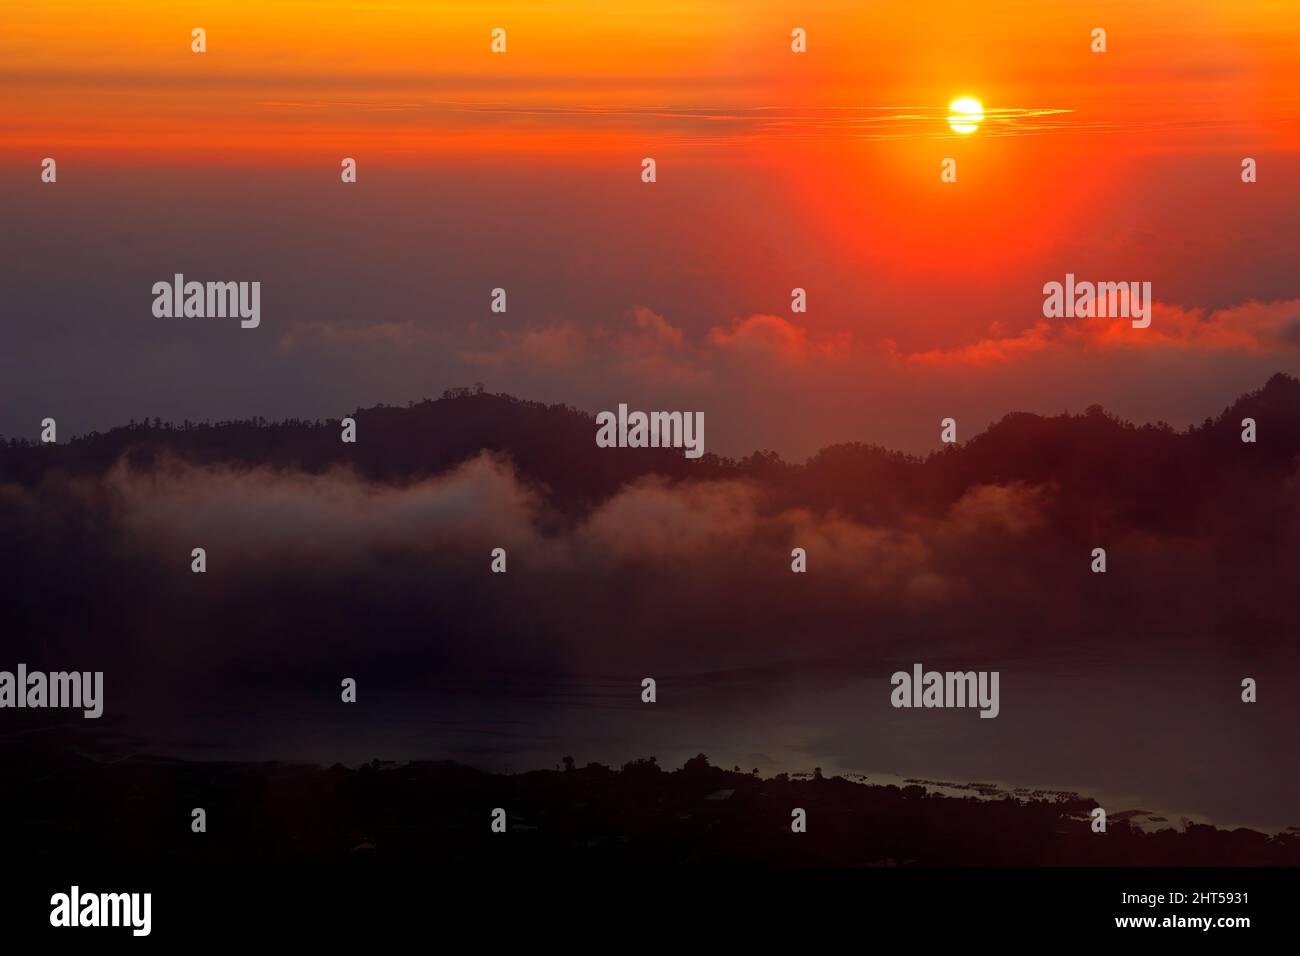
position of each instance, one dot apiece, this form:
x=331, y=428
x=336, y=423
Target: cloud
x=879, y=559
x=646, y=346
x=1015, y=508
x=655, y=519
x=554, y=346
x=254, y=517
x=650, y=332
x=262, y=515
x=761, y=335
x=290, y=527
x=1250, y=327
x=642, y=344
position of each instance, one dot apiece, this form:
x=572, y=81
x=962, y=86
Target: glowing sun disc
x=965, y=115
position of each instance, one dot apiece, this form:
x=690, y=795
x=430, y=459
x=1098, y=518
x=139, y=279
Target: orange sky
x=405, y=82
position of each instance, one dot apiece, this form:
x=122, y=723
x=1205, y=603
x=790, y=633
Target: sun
x=965, y=115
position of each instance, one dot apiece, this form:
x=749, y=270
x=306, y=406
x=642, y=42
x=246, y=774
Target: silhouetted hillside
x=1112, y=470
x=552, y=445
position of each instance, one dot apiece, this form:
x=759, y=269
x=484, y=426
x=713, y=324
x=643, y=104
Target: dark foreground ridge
x=70, y=808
